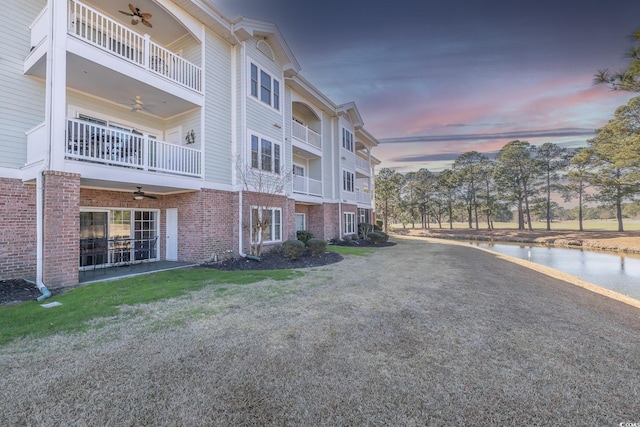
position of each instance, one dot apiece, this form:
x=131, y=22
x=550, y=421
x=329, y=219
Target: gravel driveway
x=421, y=333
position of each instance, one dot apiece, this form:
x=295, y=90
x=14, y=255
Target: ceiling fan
x=139, y=105
x=135, y=14
x=139, y=195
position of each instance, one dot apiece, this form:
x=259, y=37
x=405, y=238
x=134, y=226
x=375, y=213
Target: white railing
x=304, y=185
x=363, y=164
x=103, y=32
x=363, y=197
x=102, y=144
x=174, y=67
x=304, y=134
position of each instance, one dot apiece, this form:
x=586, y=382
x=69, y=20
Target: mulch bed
x=17, y=290
x=275, y=261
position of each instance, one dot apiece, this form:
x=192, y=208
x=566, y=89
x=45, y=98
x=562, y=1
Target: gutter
x=39, y=233
x=240, y=252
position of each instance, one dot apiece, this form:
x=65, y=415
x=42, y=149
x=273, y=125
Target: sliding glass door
x=118, y=237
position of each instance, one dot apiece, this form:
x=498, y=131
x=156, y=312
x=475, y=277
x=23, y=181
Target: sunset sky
x=434, y=79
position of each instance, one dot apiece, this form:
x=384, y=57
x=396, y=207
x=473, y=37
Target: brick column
x=61, y=228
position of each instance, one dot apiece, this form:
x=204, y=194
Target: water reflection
x=616, y=271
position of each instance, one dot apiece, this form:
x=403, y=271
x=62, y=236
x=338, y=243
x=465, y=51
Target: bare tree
x=266, y=190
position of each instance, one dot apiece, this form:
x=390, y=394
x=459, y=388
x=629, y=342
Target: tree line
x=522, y=177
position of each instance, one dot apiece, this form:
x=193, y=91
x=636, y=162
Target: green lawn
x=349, y=250
x=100, y=300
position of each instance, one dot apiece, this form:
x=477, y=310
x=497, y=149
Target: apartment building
x=146, y=131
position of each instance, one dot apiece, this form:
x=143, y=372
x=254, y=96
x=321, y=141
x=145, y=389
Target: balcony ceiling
x=166, y=29
x=88, y=77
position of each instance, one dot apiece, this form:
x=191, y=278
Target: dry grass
x=416, y=334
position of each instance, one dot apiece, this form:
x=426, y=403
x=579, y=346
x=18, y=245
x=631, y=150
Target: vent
x=264, y=47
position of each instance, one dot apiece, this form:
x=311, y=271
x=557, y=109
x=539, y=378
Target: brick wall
x=207, y=219
x=207, y=224
x=61, y=227
x=331, y=218
x=17, y=229
x=315, y=219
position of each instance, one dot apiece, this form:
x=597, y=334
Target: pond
x=619, y=272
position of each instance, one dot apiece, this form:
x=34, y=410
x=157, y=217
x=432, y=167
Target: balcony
x=308, y=186
x=304, y=134
x=363, y=197
x=89, y=142
x=108, y=35
x=363, y=165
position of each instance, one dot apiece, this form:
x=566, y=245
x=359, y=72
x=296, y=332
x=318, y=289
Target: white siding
x=22, y=100
x=188, y=48
x=218, y=161
x=261, y=117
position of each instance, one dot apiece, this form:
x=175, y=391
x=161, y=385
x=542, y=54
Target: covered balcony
x=100, y=144
x=115, y=57
x=307, y=176
x=306, y=130
x=94, y=144
x=362, y=166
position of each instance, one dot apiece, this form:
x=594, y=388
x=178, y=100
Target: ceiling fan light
x=138, y=197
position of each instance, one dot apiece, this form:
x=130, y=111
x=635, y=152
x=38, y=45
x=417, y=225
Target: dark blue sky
x=435, y=79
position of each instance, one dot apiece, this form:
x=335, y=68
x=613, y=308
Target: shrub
x=364, y=229
x=293, y=249
x=376, y=237
x=316, y=247
x=304, y=236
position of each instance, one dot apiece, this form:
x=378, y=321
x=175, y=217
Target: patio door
x=172, y=234
x=93, y=238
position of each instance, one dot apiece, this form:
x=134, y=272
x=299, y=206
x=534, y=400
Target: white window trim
x=345, y=230
x=260, y=210
x=304, y=221
x=257, y=97
x=273, y=142
x=353, y=181
x=352, y=140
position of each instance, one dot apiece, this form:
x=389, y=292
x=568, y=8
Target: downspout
x=39, y=231
x=240, y=243
x=236, y=152
x=47, y=157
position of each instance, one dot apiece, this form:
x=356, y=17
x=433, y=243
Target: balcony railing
x=304, y=185
x=362, y=197
x=306, y=135
x=101, y=144
x=103, y=32
x=363, y=165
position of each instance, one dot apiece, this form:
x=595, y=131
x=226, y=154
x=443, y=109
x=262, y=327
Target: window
x=301, y=222
x=347, y=181
x=266, y=224
x=347, y=140
x=265, y=87
x=363, y=215
x=265, y=155
x=298, y=170
x=349, y=223
x=118, y=236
